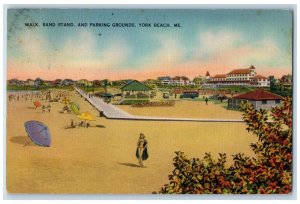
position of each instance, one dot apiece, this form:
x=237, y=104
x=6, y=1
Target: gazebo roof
x=135, y=86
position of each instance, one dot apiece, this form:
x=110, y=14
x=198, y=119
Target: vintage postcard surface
x=149, y=101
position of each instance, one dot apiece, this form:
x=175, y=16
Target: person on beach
x=81, y=124
x=72, y=123
x=141, y=151
x=206, y=99
x=43, y=109
x=49, y=108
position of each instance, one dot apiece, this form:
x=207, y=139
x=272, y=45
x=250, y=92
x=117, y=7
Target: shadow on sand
x=92, y=126
x=22, y=140
x=130, y=165
x=29, y=107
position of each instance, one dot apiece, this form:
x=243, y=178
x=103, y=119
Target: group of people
x=23, y=96
x=48, y=107
x=81, y=124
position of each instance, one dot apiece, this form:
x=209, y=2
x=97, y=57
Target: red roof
x=240, y=71
x=207, y=74
x=220, y=76
x=259, y=77
x=258, y=94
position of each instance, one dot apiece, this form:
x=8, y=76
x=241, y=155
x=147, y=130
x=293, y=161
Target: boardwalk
x=112, y=112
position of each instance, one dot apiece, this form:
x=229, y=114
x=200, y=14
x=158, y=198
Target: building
x=180, y=81
x=207, y=76
x=38, y=82
x=286, y=81
x=176, y=81
x=29, y=82
x=165, y=80
x=238, y=77
x=259, y=81
x=57, y=82
x=83, y=83
x=259, y=98
x=67, y=82
x=13, y=82
x=136, y=89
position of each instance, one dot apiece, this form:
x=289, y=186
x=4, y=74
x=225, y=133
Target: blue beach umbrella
x=38, y=133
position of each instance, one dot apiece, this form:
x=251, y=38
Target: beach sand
x=102, y=159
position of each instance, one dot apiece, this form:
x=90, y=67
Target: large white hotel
x=238, y=77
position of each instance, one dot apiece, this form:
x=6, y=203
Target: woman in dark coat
x=141, y=150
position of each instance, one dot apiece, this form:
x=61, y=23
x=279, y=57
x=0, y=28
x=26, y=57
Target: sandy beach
x=102, y=159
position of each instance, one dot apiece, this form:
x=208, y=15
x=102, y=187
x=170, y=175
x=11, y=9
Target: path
x=112, y=112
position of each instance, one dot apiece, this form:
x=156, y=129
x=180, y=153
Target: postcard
x=149, y=101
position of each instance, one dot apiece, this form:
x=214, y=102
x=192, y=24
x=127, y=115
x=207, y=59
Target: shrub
x=269, y=172
x=130, y=102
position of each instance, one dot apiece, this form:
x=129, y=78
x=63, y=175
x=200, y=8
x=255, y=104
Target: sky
x=213, y=40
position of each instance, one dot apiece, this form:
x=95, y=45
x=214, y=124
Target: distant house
x=57, y=82
x=165, y=80
x=29, y=82
x=67, y=82
x=286, y=81
x=96, y=82
x=13, y=82
x=38, y=82
x=175, y=81
x=260, y=81
x=136, y=88
x=180, y=81
x=259, y=98
x=82, y=82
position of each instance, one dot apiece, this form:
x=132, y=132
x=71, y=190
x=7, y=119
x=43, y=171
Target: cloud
x=115, y=53
x=228, y=49
x=32, y=49
x=214, y=43
x=165, y=56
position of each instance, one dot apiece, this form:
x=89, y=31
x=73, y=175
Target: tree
x=269, y=172
x=105, y=83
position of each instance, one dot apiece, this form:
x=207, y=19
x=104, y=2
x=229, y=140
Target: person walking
x=206, y=100
x=49, y=108
x=72, y=123
x=43, y=109
x=141, y=150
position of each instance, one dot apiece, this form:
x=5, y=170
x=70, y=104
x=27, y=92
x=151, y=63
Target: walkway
x=112, y=112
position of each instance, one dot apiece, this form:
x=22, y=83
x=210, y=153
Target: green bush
x=130, y=102
x=269, y=172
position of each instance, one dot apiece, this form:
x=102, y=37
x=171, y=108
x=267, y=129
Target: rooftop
x=220, y=76
x=258, y=94
x=135, y=86
x=240, y=71
x=259, y=77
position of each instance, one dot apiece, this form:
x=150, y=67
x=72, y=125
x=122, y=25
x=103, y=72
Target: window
x=264, y=102
x=277, y=101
